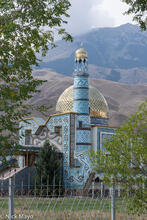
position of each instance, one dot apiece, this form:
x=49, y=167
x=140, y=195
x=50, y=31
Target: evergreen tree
x=49, y=168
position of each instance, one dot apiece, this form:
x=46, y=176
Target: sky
x=88, y=14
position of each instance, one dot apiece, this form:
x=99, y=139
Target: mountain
x=118, y=54
x=117, y=66
x=122, y=99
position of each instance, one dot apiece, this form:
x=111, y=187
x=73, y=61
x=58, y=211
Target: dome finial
x=81, y=61
x=81, y=54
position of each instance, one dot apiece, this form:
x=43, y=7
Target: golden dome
x=98, y=104
x=81, y=54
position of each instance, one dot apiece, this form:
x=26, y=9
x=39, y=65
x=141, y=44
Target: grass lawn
x=64, y=208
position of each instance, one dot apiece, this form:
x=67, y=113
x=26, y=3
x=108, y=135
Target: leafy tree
x=27, y=27
x=123, y=159
x=139, y=9
x=49, y=167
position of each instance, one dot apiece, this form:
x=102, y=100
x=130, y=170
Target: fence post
x=54, y=184
x=102, y=189
x=11, y=198
x=93, y=189
x=35, y=188
x=41, y=182
x=113, y=202
x=119, y=190
x=47, y=184
x=2, y=187
x=22, y=186
x=59, y=187
x=29, y=175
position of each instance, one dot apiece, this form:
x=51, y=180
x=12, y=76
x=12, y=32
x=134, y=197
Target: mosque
x=79, y=124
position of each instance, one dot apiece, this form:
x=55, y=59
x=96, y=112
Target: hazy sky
x=87, y=14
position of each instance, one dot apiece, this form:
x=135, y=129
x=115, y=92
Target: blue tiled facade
x=79, y=132
x=98, y=121
x=73, y=177
x=102, y=133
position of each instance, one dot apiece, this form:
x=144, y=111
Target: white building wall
x=94, y=138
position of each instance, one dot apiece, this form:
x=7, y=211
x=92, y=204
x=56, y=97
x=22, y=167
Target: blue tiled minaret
x=81, y=101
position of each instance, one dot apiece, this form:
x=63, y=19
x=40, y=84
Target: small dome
x=98, y=104
x=81, y=54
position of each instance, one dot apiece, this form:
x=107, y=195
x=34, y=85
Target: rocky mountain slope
x=118, y=54
x=122, y=99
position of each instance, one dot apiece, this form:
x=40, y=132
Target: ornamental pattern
x=81, y=67
x=29, y=125
x=81, y=106
x=102, y=133
x=80, y=82
x=85, y=121
x=84, y=171
x=102, y=121
x=65, y=101
x=83, y=148
x=64, y=122
x=83, y=158
x=83, y=136
x=98, y=104
x=73, y=177
x=81, y=93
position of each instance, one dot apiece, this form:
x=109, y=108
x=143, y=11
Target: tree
x=27, y=27
x=123, y=159
x=139, y=9
x=49, y=167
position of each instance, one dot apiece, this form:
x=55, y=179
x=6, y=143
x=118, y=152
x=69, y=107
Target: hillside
x=118, y=54
x=122, y=99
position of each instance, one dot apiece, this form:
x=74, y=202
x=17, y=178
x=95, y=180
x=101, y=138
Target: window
x=80, y=124
x=58, y=130
x=97, y=180
x=28, y=137
x=103, y=137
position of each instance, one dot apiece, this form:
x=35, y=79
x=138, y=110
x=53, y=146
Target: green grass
x=65, y=208
x=60, y=204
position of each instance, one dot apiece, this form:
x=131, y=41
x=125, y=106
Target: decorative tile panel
x=100, y=131
x=83, y=148
x=83, y=136
x=85, y=121
x=81, y=106
x=30, y=124
x=74, y=178
x=97, y=121
x=80, y=81
x=64, y=121
x=72, y=139
x=81, y=93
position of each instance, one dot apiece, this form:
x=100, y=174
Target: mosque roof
x=98, y=104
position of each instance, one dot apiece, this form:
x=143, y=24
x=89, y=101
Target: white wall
x=94, y=138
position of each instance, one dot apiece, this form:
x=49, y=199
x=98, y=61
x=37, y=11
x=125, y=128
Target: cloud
x=85, y=14
x=116, y=9
x=79, y=16
x=100, y=17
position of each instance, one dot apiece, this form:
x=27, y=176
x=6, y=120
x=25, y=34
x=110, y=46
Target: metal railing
x=52, y=202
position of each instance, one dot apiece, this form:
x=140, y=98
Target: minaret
x=81, y=101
